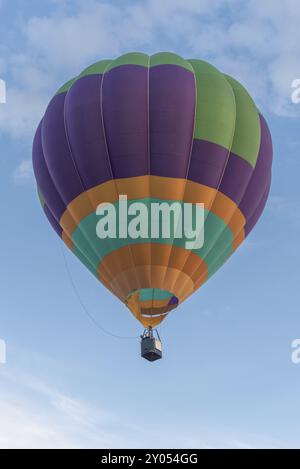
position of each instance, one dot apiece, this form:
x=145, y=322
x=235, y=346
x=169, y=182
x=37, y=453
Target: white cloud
x=23, y=172
x=22, y=111
x=36, y=415
x=256, y=42
x=2, y=91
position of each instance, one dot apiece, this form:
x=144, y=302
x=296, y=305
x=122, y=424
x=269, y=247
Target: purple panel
x=261, y=174
x=84, y=125
x=259, y=209
x=173, y=301
x=236, y=178
x=125, y=112
x=207, y=163
x=172, y=99
x=57, y=153
x=43, y=178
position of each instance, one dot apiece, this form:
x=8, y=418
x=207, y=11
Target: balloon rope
x=84, y=308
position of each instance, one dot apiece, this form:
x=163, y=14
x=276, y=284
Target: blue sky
x=226, y=379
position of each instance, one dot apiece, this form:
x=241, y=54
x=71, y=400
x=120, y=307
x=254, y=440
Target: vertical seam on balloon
x=221, y=177
x=58, y=193
x=106, y=147
x=107, y=155
x=237, y=207
x=266, y=190
x=111, y=169
x=91, y=245
x=187, y=171
x=66, y=234
x=77, y=171
x=252, y=174
x=149, y=164
x=221, y=253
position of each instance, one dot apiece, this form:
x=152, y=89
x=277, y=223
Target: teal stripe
x=217, y=236
x=218, y=258
x=85, y=261
x=147, y=294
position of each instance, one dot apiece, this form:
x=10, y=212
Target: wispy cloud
x=59, y=45
x=23, y=172
x=36, y=415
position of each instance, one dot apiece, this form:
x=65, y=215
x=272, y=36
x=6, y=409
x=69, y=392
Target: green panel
x=246, y=139
x=132, y=58
x=201, y=66
x=41, y=198
x=225, y=112
x=215, y=108
x=168, y=58
x=95, y=69
x=66, y=86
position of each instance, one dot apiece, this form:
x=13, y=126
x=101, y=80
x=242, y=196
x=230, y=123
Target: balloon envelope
x=156, y=128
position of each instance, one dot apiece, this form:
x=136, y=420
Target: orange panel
x=156, y=187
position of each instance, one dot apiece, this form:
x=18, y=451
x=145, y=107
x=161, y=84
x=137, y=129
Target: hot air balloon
x=156, y=128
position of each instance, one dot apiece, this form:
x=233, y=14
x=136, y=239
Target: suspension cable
x=84, y=308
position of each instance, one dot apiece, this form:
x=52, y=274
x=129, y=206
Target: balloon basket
x=151, y=347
